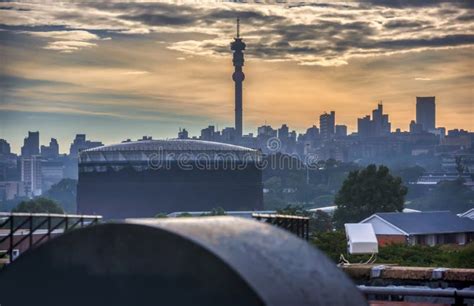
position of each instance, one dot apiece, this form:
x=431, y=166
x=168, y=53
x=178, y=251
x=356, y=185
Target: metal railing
x=296, y=224
x=36, y=227
x=457, y=295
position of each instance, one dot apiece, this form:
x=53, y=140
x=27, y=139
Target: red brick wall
x=389, y=239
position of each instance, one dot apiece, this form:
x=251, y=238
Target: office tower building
x=426, y=113
x=327, y=125
x=30, y=145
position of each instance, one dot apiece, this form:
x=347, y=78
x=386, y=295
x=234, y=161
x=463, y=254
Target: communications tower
x=237, y=46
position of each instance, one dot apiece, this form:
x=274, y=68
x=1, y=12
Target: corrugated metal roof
x=431, y=222
x=166, y=150
x=170, y=145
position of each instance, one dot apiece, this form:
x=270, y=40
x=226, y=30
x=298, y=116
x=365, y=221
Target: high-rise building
x=4, y=147
x=31, y=175
x=266, y=131
x=364, y=126
x=312, y=133
x=228, y=134
x=52, y=172
x=327, y=125
x=237, y=46
x=375, y=127
x=283, y=132
x=415, y=128
x=31, y=145
x=183, y=134
x=80, y=143
x=426, y=113
x=341, y=130
x=381, y=124
x=208, y=133
x=51, y=151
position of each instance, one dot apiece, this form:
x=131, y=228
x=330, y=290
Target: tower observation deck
x=237, y=46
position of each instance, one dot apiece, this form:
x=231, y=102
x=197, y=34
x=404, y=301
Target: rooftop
x=429, y=222
x=170, y=145
x=173, y=149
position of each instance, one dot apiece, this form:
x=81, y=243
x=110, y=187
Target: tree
x=366, y=192
x=64, y=192
x=333, y=244
x=447, y=195
x=39, y=205
x=293, y=210
x=321, y=222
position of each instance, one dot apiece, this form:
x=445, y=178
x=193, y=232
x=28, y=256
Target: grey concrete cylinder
x=183, y=261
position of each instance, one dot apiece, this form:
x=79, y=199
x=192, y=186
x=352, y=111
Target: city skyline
x=135, y=71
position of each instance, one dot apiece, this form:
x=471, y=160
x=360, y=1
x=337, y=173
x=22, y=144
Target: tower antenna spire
x=238, y=27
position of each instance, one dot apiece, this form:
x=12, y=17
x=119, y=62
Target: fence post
x=11, y=236
x=49, y=227
x=30, y=234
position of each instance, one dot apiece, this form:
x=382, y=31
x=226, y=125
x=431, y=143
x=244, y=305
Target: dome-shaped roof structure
x=179, y=261
x=174, y=149
x=185, y=145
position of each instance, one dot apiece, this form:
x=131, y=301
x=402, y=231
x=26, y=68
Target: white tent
x=361, y=238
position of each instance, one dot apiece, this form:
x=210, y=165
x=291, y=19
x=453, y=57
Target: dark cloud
x=403, y=23
x=159, y=15
x=161, y=19
x=245, y=16
x=465, y=17
x=443, y=41
x=417, y=3
x=324, y=5
x=6, y=8
x=309, y=31
x=322, y=29
x=10, y=81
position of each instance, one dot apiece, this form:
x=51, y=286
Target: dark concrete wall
x=129, y=193
x=182, y=261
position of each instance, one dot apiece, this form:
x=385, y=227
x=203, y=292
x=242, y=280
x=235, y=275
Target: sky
x=123, y=70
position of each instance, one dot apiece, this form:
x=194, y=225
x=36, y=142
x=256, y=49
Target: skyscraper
x=375, y=127
x=415, y=128
x=30, y=145
x=208, y=133
x=364, y=126
x=183, y=134
x=380, y=123
x=31, y=175
x=4, y=147
x=426, y=113
x=341, y=130
x=51, y=151
x=283, y=132
x=237, y=46
x=80, y=143
x=327, y=125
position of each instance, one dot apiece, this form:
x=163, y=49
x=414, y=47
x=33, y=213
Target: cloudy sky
x=123, y=70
